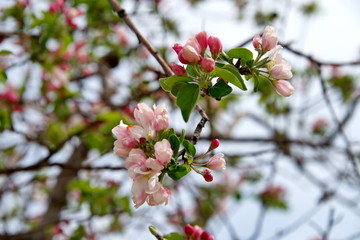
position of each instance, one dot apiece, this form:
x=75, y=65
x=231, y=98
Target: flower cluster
x=194, y=52
x=196, y=233
x=146, y=157
x=70, y=13
x=279, y=69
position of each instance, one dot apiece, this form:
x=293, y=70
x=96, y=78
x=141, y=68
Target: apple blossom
x=202, y=39
x=283, y=88
x=214, y=144
x=216, y=162
x=256, y=41
x=215, y=46
x=127, y=138
x=269, y=38
x=177, y=69
x=163, y=151
x=281, y=69
x=207, y=175
x=208, y=64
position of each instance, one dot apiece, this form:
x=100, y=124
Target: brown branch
x=142, y=39
x=57, y=198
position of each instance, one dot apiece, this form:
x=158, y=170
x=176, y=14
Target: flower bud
x=284, y=88
x=202, y=40
x=214, y=144
x=256, y=41
x=205, y=235
x=189, y=230
x=207, y=176
x=177, y=47
x=215, y=46
x=208, y=64
x=189, y=54
x=216, y=162
x=269, y=38
x=177, y=69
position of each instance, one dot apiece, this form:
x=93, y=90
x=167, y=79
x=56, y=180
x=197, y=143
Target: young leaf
x=168, y=83
x=220, y=89
x=174, y=236
x=227, y=75
x=5, y=52
x=235, y=71
x=186, y=99
x=175, y=89
x=242, y=53
x=175, y=145
x=179, y=171
x=189, y=148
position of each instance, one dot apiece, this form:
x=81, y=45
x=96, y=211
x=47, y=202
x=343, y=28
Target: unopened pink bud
x=207, y=175
x=189, y=54
x=205, y=235
x=177, y=69
x=177, y=47
x=216, y=162
x=256, y=41
x=284, y=88
x=208, y=64
x=214, y=144
x=202, y=40
x=269, y=38
x=189, y=230
x=215, y=46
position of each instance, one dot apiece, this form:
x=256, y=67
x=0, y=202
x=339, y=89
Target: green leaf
x=220, y=89
x=168, y=83
x=242, y=53
x=174, y=236
x=235, y=71
x=187, y=98
x=5, y=52
x=3, y=75
x=190, y=70
x=227, y=75
x=175, y=89
x=189, y=148
x=182, y=137
x=110, y=117
x=175, y=144
x=176, y=172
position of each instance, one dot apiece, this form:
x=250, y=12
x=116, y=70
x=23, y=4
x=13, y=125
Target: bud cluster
x=194, y=53
x=278, y=69
x=196, y=233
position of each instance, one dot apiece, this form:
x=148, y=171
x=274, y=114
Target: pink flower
x=202, y=40
x=161, y=118
x=177, y=69
x=281, y=69
x=269, y=38
x=208, y=64
x=159, y=197
x=144, y=115
x=216, y=162
x=127, y=138
x=256, y=41
x=283, y=88
x=188, y=55
x=70, y=14
x=56, y=6
x=58, y=78
x=163, y=151
x=215, y=46
x=144, y=185
x=10, y=94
